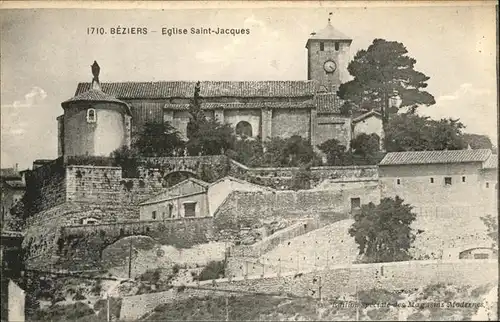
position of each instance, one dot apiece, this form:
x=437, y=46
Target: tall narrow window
x=463, y=179
x=432, y=180
x=337, y=46
x=91, y=116
x=170, y=210
x=321, y=46
x=487, y=184
x=398, y=181
x=154, y=215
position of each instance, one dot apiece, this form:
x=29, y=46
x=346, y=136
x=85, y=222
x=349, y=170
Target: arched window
x=244, y=128
x=91, y=115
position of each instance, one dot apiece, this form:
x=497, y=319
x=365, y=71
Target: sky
x=45, y=53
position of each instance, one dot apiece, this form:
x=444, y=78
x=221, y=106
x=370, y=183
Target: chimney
x=95, y=72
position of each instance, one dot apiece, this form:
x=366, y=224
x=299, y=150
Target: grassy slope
x=250, y=307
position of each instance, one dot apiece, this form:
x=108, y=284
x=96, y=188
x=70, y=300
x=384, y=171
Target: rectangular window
x=190, y=209
x=154, y=215
x=447, y=181
x=481, y=256
x=321, y=46
x=463, y=179
x=487, y=184
x=355, y=203
x=337, y=46
x=432, y=180
x=398, y=181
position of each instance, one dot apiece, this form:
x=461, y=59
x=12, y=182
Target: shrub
x=97, y=287
x=213, y=270
x=63, y=312
x=101, y=306
x=176, y=268
x=151, y=275
x=374, y=296
x=79, y=296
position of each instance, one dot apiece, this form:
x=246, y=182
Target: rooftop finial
x=95, y=72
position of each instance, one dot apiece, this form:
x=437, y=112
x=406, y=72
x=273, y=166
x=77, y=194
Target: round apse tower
x=94, y=123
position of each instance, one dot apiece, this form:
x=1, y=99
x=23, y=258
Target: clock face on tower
x=330, y=66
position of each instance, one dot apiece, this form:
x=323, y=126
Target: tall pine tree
x=382, y=73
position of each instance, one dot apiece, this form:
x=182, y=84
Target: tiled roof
x=329, y=33
x=365, y=115
x=182, y=89
x=10, y=233
x=9, y=173
x=328, y=103
x=93, y=95
x=231, y=106
x=242, y=182
x=165, y=195
x=492, y=162
x=433, y=157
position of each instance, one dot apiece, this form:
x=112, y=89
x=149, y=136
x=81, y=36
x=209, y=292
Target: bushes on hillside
x=213, y=270
x=63, y=312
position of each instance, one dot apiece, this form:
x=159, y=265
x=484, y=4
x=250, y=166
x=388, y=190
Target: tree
x=477, y=141
x=334, y=151
x=366, y=145
x=197, y=116
x=211, y=138
x=411, y=132
x=128, y=160
x=247, y=151
x=383, y=231
x=158, y=140
x=298, y=151
x=446, y=134
x=384, y=72
x=294, y=151
x=206, y=136
x=302, y=178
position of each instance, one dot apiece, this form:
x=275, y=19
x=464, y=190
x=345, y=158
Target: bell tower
x=327, y=58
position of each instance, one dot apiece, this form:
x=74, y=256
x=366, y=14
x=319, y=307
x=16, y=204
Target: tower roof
x=328, y=33
x=95, y=95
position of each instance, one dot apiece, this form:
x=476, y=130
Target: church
x=101, y=117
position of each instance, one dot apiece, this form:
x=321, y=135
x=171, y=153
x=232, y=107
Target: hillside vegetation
x=376, y=304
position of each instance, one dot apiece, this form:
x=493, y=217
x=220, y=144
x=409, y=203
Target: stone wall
x=44, y=229
x=45, y=187
x=105, y=185
x=424, y=185
x=335, y=281
x=288, y=122
x=81, y=246
x=217, y=165
x=268, y=243
x=247, y=208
